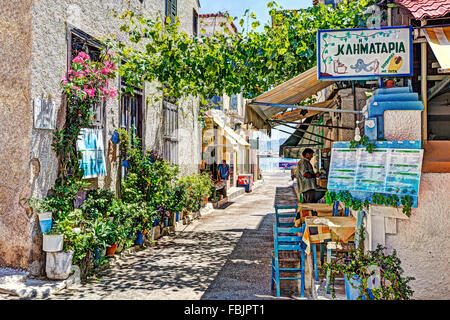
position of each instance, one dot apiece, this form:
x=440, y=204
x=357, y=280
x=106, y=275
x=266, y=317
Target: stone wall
x=347, y=103
x=15, y=129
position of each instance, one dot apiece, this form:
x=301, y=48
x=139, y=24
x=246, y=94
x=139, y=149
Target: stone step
x=35, y=288
x=12, y=276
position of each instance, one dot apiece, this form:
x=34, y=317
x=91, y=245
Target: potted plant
x=52, y=241
x=370, y=275
x=112, y=238
x=44, y=215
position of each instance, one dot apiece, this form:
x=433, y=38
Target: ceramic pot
x=52, y=242
x=110, y=251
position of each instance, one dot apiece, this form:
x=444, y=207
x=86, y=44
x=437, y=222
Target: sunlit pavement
x=222, y=255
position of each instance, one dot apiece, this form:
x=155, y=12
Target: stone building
x=38, y=40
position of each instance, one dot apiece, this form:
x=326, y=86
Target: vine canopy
x=227, y=63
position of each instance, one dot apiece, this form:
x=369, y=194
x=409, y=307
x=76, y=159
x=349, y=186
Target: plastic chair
x=287, y=247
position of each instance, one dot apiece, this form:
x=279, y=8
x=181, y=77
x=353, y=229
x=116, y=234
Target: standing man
x=224, y=171
x=306, y=177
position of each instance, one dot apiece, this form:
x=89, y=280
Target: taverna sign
x=364, y=53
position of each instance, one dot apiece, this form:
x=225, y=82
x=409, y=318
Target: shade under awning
x=290, y=92
x=439, y=40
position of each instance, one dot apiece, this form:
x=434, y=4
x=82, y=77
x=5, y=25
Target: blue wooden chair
x=287, y=247
x=285, y=219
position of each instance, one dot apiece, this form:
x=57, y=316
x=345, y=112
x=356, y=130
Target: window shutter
x=174, y=8
x=171, y=9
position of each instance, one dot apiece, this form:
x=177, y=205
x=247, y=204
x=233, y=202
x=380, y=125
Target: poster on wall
x=348, y=54
x=44, y=114
x=90, y=143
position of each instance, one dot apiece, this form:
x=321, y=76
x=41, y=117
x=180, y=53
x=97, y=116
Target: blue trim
x=319, y=78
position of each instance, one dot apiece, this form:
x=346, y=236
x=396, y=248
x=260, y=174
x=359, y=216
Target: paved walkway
x=222, y=255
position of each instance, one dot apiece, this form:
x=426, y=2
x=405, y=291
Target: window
x=131, y=113
x=131, y=118
x=79, y=41
x=171, y=9
x=195, y=23
x=170, y=129
x=234, y=102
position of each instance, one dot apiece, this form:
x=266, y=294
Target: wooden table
x=322, y=230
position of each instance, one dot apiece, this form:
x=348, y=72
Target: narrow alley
x=222, y=255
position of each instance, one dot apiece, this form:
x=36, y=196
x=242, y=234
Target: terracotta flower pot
x=390, y=83
x=206, y=200
x=111, y=250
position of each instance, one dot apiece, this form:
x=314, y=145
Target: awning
x=232, y=136
x=290, y=92
x=439, y=40
x=299, y=114
x=294, y=140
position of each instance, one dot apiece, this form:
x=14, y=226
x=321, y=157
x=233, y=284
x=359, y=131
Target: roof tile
x=426, y=8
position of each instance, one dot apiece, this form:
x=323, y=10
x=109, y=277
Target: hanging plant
x=377, y=198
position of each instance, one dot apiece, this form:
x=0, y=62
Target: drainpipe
x=423, y=65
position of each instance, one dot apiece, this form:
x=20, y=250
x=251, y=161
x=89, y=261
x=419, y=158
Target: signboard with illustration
x=90, y=143
x=364, y=53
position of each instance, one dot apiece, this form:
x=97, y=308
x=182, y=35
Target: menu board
x=385, y=170
x=342, y=171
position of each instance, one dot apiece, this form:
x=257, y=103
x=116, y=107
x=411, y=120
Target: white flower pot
x=52, y=242
x=58, y=265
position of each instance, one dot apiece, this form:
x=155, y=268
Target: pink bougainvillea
x=91, y=76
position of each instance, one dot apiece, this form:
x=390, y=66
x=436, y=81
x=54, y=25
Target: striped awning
x=439, y=40
x=290, y=92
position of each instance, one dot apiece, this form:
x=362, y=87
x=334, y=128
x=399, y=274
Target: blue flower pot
x=353, y=293
x=166, y=222
x=177, y=217
x=115, y=137
x=139, y=238
x=97, y=255
x=125, y=164
x=155, y=223
x=45, y=225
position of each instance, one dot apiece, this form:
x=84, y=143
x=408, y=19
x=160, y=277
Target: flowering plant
x=85, y=85
x=89, y=79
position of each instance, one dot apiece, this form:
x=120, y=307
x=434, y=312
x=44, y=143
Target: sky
x=236, y=8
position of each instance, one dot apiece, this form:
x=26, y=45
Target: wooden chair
x=287, y=248
x=282, y=216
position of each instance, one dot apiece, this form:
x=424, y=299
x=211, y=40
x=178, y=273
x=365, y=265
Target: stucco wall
x=34, y=57
x=422, y=241
x=15, y=224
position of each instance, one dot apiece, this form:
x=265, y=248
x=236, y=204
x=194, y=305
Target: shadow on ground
x=246, y=273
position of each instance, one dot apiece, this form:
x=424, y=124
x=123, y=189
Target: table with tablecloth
x=322, y=230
